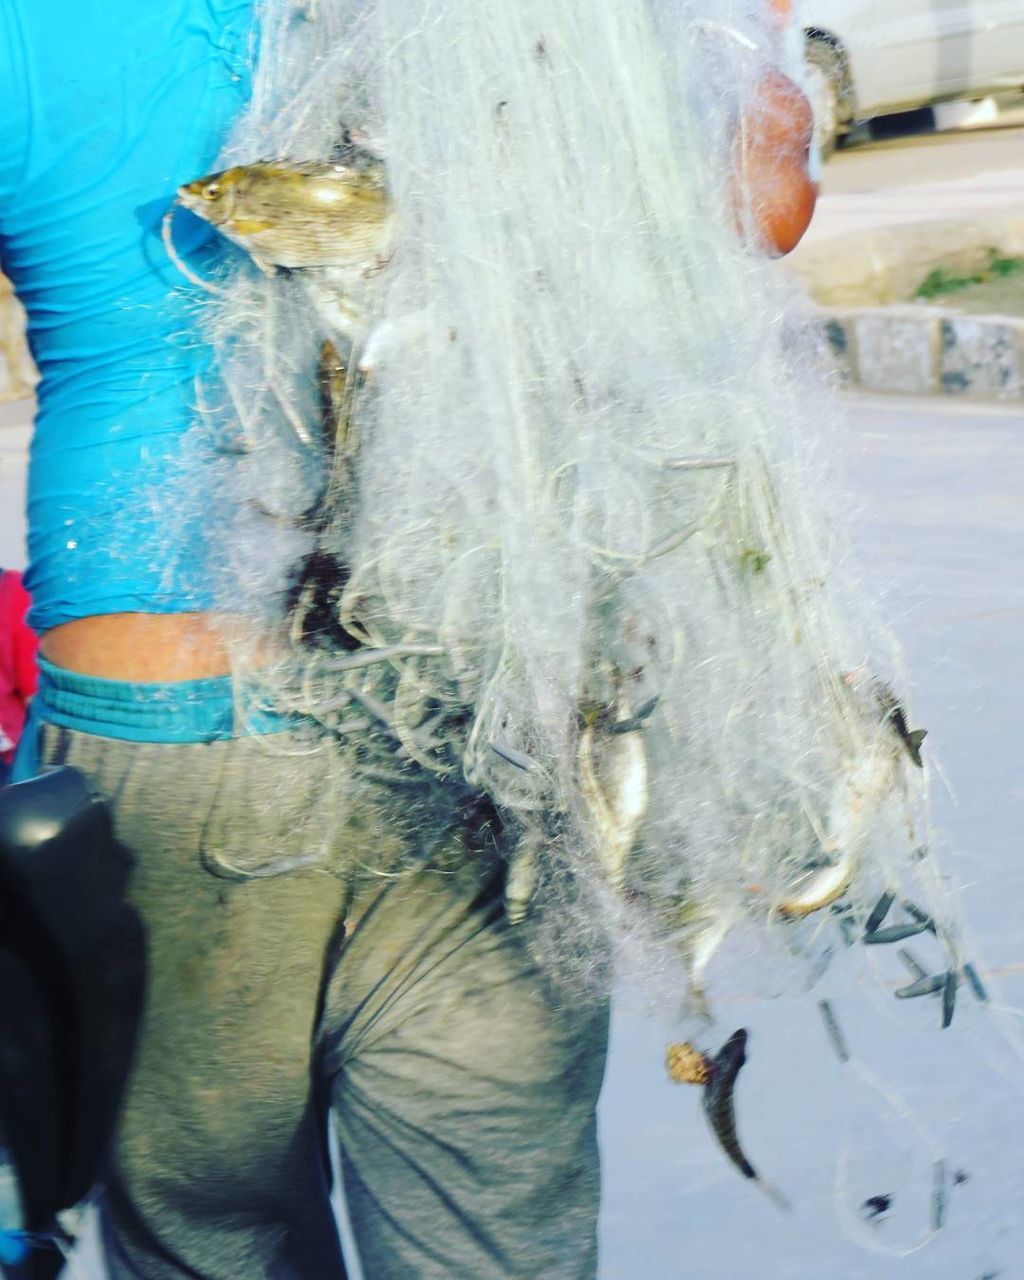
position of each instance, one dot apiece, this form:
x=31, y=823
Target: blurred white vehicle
x=869, y=58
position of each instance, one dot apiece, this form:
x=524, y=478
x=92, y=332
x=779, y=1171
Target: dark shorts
x=315, y=946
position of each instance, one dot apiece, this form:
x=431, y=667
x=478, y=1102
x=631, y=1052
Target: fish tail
x=777, y=1197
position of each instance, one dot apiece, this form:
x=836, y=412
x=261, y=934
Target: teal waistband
x=205, y=710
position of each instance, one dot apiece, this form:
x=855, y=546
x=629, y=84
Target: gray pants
x=318, y=945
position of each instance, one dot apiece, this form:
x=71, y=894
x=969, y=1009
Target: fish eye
x=211, y=191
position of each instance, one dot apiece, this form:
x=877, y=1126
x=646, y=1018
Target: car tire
x=825, y=89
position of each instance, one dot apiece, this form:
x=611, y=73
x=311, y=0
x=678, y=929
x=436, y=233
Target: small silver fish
x=879, y=911
x=975, y=983
x=522, y=876
x=824, y=887
x=613, y=781
x=938, y=1195
x=861, y=790
x=926, y=986
x=894, y=933
x=949, y=998
x=835, y=1031
x=335, y=383
x=701, y=948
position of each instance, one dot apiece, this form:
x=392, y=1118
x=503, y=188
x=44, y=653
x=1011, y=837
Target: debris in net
x=975, y=983
x=917, y=969
x=687, y=1065
x=874, y=1207
x=926, y=986
x=834, y=1031
x=879, y=911
x=960, y=1177
x=894, y=933
x=949, y=998
x=314, y=590
x=939, y=1195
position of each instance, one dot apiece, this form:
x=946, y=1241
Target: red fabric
x=18, y=673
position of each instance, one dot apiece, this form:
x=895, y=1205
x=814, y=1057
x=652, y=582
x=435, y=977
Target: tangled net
x=564, y=541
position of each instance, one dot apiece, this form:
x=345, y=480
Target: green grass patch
x=940, y=282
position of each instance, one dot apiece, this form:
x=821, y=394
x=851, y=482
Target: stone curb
x=921, y=350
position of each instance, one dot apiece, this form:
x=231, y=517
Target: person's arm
x=773, y=193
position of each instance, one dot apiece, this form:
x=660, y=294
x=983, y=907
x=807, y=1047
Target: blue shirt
x=106, y=107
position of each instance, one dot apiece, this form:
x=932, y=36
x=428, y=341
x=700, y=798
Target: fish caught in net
x=528, y=467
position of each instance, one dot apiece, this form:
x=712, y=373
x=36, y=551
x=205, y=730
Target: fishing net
x=565, y=540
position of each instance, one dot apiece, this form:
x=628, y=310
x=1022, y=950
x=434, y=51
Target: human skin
x=143, y=646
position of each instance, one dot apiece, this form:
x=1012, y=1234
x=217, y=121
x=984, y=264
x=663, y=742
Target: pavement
x=872, y=243
x=940, y=539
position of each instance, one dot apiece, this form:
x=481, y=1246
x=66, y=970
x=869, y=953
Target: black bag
x=72, y=979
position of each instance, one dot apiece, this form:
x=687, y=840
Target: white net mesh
x=580, y=507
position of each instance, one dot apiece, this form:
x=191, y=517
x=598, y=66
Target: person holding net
x=318, y=937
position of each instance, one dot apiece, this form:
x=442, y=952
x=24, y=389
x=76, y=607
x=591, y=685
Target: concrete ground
x=940, y=530
x=941, y=533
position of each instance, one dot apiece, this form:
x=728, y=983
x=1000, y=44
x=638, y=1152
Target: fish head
x=733, y=1054
x=214, y=197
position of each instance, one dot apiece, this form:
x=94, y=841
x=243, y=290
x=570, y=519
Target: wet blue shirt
x=106, y=107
